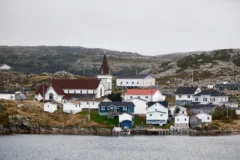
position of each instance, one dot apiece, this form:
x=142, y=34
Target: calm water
x=60, y=147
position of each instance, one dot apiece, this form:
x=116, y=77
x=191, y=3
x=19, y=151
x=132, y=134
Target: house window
x=48, y=105
x=150, y=115
x=185, y=119
x=102, y=108
x=161, y=114
x=132, y=82
x=76, y=105
x=138, y=96
x=177, y=119
x=124, y=108
x=204, y=99
x=137, y=82
x=188, y=96
x=126, y=82
x=120, y=82
x=146, y=97
x=196, y=99
x=87, y=103
x=214, y=99
x=208, y=118
x=75, y=91
x=93, y=103
x=130, y=96
x=179, y=96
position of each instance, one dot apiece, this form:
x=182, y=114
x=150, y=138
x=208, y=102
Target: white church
x=61, y=90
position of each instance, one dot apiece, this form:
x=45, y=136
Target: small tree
x=177, y=110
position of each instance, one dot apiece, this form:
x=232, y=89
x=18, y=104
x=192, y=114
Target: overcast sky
x=148, y=27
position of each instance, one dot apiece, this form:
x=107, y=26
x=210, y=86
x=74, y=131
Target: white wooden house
x=181, y=121
x=210, y=96
x=7, y=95
x=91, y=103
x=149, y=95
x=184, y=95
x=126, y=120
x=140, y=106
x=206, y=118
x=72, y=107
x=50, y=107
x=157, y=113
x=135, y=81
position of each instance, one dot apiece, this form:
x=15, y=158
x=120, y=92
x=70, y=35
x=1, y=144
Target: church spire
x=104, y=68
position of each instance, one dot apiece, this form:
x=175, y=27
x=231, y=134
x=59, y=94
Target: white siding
x=141, y=82
x=149, y=98
x=69, y=107
x=182, y=119
x=124, y=117
x=206, y=118
x=154, y=112
x=7, y=96
x=50, y=107
x=140, y=106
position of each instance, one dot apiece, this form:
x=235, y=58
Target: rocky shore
x=21, y=125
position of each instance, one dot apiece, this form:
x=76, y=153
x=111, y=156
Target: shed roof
x=164, y=103
x=76, y=83
x=210, y=92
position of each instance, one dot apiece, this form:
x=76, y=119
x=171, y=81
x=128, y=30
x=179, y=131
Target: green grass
x=140, y=121
x=100, y=119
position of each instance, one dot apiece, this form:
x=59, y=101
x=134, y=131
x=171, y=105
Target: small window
x=126, y=82
x=138, y=96
x=186, y=124
x=150, y=115
x=208, y=118
x=130, y=96
x=214, y=99
x=196, y=99
x=48, y=105
x=179, y=96
x=188, y=96
x=87, y=103
x=124, y=108
x=137, y=82
x=76, y=105
x=177, y=119
x=93, y=103
x=75, y=91
x=146, y=97
x=204, y=99
x=120, y=82
x=185, y=119
x=102, y=108
x=161, y=114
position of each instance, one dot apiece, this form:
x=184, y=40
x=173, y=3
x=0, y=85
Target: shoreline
x=108, y=132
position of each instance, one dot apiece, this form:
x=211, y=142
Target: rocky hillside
x=205, y=67
x=76, y=60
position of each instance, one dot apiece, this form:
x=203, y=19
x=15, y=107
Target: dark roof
x=186, y=90
x=210, y=92
x=7, y=92
x=202, y=105
x=42, y=88
x=118, y=104
x=69, y=96
x=164, y=103
x=133, y=76
x=228, y=85
x=76, y=83
x=58, y=90
x=104, y=68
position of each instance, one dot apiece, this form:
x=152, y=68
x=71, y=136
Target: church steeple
x=104, y=68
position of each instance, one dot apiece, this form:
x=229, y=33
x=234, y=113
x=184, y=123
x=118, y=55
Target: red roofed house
x=58, y=89
x=149, y=95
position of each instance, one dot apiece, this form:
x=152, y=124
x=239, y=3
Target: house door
x=51, y=96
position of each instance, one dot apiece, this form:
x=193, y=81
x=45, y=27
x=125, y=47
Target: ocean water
x=64, y=147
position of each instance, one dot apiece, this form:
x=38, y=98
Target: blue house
x=114, y=109
x=126, y=120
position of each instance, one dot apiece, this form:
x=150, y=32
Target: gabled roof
x=117, y=104
x=164, y=103
x=186, y=90
x=104, y=68
x=58, y=90
x=141, y=91
x=76, y=83
x=210, y=92
x=42, y=89
x=139, y=76
x=181, y=115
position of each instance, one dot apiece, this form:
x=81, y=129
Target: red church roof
x=42, y=89
x=141, y=91
x=104, y=68
x=76, y=83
